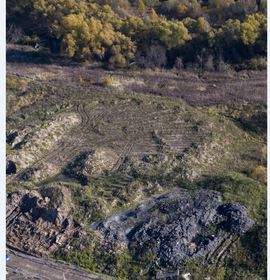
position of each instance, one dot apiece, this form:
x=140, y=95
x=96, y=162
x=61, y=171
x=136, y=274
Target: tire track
x=124, y=153
x=24, y=266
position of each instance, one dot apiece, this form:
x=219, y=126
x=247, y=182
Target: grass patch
x=15, y=83
x=237, y=187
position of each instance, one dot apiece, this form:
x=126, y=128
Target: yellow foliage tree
x=85, y=38
x=141, y=5
x=248, y=32
x=230, y=31
x=122, y=50
x=170, y=33
x=203, y=26
x=190, y=24
x=252, y=28
x=132, y=26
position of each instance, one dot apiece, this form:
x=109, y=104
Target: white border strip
x=268, y=134
x=3, y=141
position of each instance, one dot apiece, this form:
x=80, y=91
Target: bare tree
x=14, y=34
x=179, y=63
x=155, y=56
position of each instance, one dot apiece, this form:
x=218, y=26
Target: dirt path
x=23, y=266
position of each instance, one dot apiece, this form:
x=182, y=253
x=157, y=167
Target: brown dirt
x=204, y=89
x=39, y=221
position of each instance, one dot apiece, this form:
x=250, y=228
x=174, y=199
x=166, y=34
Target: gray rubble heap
x=177, y=225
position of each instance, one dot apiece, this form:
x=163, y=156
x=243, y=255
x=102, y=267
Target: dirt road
x=22, y=266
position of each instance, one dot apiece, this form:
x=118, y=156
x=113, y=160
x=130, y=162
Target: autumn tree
x=132, y=27
x=112, y=33
x=254, y=29
x=87, y=38
x=219, y=4
x=169, y=33
x=153, y=14
x=141, y=5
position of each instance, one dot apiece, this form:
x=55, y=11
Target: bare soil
x=44, y=269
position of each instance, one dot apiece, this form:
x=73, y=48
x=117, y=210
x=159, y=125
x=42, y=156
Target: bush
x=107, y=81
x=223, y=66
x=257, y=63
x=237, y=187
x=263, y=154
x=260, y=174
x=15, y=83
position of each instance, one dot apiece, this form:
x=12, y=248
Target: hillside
x=101, y=164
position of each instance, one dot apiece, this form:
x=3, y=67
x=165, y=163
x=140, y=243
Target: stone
x=177, y=225
x=10, y=167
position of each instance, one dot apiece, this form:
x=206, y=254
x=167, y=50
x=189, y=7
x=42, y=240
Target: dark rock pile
x=177, y=225
x=10, y=167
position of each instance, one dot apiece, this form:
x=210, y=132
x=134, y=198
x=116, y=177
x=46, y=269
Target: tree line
x=150, y=33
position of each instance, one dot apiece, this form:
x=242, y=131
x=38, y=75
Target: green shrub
x=237, y=187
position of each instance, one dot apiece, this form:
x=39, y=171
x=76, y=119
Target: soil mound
x=39, y=221
x=91, y=164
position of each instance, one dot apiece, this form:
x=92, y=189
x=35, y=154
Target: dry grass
x=260, y=174
x=107, y=81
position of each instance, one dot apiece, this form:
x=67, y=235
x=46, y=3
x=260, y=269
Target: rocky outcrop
x=177, y=225
x=39, y=221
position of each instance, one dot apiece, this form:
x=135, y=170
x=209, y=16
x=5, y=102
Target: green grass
x=237, y=187
x=248, y=259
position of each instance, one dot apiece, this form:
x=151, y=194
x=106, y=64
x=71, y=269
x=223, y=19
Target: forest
x=208, y=34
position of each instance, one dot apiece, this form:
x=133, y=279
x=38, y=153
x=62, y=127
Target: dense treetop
x=147, y=32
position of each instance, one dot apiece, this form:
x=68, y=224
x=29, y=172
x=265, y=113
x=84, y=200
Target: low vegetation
x=107, y=81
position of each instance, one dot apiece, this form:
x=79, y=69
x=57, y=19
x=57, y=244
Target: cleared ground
x=22, y=266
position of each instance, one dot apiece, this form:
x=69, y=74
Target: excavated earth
x=174, y=226
x=178, y=225
x=39, y=221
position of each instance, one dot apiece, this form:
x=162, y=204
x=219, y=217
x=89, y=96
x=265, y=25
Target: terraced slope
x=145, y=132
x=132, y=127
